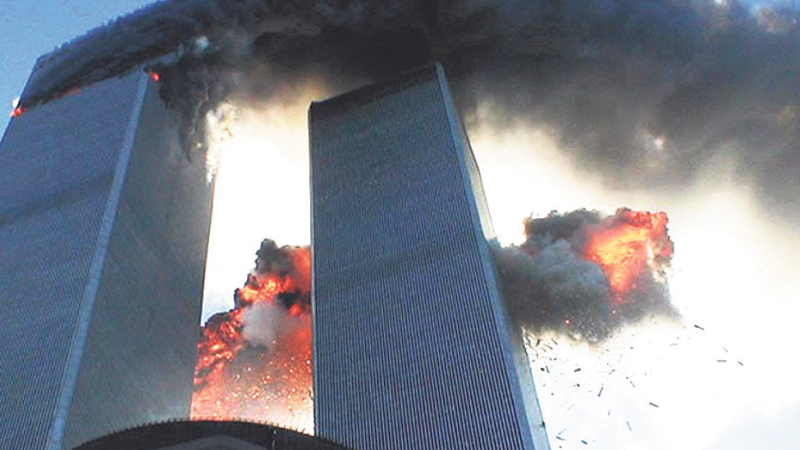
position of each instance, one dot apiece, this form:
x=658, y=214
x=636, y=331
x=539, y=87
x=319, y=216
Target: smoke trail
x=586, y=274
x=645, y=92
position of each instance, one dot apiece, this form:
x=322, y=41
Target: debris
x=560, y=438
x=629, y=426
x=547, y=369
x=653, y=404
x=631, y=382
x=584, y=442
x=726, y=350
x=578, y=369
x=538, y=341
x=559, y=433
x=570, y=406
x=740, y=363
x=699, y=327
x=601, y=391
x=722, y=360
x=554, y=341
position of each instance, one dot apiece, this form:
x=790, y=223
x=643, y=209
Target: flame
x=155, y=76
x=626, y=245
x=235, y=379
x=67, y=93
x=17, y=111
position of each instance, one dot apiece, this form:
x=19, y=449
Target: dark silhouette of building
x=209, y=435
x=103, y=231
x=412, y=344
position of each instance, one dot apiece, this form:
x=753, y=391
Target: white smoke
x=264, y=322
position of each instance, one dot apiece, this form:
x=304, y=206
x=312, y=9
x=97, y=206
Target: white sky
x=734, y=274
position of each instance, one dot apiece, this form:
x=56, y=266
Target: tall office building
x=103, y=231
x=412, y=345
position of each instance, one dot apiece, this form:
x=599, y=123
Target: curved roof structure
x=207, y=435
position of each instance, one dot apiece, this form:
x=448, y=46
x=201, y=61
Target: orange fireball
x=626, y=245
x=237, y=380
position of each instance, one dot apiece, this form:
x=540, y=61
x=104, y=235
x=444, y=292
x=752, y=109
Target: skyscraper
x=103, y=231
x=412, y=344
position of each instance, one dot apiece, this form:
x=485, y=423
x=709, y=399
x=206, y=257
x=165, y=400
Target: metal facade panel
x=103, y=235
x=411, y=341
x=140, y=352
x=56, y=167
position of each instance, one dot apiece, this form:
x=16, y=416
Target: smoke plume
x=586, y=274
x=643, y=92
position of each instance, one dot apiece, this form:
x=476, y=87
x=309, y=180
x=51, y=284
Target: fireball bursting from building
x=255, y=360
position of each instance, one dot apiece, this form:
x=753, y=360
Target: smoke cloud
x=263, y=323
x=643, y=92
x=560, y=280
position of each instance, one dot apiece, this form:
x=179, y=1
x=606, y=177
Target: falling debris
x=560, y=438
x=562, y=431
x=601, y=391
x=653, y=405
x=584, y=442
x=629, y=426
x=699, y=327
x=722, y=360
x=740, y=363
x=578, y=369
x=631, y=382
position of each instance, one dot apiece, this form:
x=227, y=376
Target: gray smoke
x=644, y=92
x=548, y=283
x=263, y=323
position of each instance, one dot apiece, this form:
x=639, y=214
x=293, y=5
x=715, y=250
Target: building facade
x=103, y=233
x=412, y=344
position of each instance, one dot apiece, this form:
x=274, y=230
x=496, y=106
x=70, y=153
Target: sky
x=727, y=251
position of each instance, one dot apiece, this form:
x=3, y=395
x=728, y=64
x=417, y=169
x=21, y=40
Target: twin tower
x=103, y=231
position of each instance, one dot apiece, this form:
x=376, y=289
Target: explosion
x=254, y=362
x=627, y=245
x=586, y=274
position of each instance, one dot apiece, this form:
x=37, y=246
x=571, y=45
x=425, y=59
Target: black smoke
x=645, y=92
x=549, y=284
x=281, y=262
